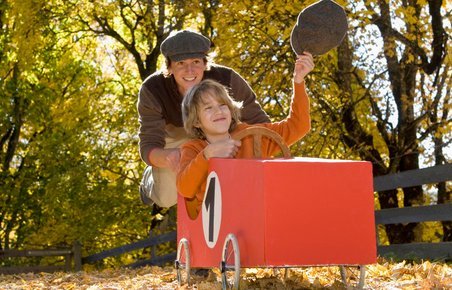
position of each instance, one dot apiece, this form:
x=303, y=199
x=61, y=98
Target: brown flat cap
x=319, y=28
x=185, y=44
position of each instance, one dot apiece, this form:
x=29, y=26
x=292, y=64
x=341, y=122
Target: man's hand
x=173, y=158
x=165, y=158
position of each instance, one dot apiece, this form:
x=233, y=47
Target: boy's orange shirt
x=193, y=166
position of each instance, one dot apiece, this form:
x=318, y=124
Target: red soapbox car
x=284, y=212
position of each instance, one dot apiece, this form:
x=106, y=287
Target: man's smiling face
x=187, y=73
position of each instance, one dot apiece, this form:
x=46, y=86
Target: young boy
x=211, y=117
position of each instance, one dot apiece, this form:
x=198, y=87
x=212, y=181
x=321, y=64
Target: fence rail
x=149, y=242
x=437, y=212
x=415, y=177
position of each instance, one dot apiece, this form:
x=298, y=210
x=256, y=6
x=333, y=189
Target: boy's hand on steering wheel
x=223, y=149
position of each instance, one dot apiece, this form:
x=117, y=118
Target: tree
x=414, y=54
x=68, y=136
x=68, y=145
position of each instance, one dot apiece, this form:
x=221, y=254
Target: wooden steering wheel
x=258, y=132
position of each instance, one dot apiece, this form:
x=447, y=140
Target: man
x=159, y=108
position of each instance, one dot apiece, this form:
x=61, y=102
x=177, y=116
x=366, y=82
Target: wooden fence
x=439, y=212
x=149, y=242
x=432, y=251
x=72, y=260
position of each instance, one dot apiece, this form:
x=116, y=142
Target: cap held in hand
x=320, y=27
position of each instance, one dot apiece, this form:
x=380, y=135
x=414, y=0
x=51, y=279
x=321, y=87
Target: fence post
x=68, y=261
x=77, y=254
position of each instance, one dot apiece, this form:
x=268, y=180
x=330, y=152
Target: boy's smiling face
x=214, y=118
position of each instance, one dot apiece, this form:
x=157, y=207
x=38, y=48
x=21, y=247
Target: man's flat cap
x=319, y=28
x=185, y=44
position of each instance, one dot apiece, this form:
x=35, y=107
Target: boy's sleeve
x=192, y=173
x=298, y=122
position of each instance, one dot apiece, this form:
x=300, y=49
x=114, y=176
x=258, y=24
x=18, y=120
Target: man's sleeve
x=252, y=112
x=152, y=125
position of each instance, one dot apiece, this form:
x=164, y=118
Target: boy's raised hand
x=303, y=65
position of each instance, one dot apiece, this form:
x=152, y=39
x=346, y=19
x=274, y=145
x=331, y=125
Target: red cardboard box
x=285, y=212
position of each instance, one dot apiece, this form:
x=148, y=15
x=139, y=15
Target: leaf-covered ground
x=383, y=275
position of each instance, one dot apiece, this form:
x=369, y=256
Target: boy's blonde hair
x=194, y=98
